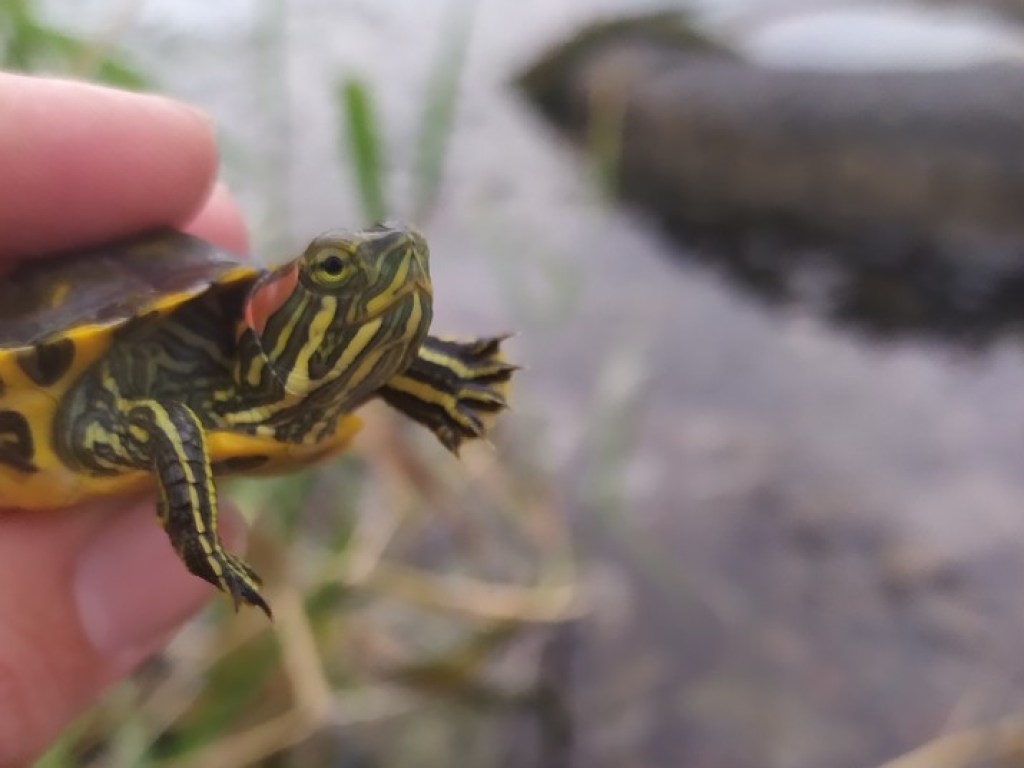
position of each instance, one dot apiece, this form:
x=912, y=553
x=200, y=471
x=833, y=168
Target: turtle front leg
x=187, y=501
x=454, y=388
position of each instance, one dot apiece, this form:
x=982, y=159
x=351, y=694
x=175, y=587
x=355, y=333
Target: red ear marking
x=268, y=295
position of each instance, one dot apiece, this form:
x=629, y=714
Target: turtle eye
x=331, y=268
x=333, y=265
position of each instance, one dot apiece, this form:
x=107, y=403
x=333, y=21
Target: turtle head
x=349, y=313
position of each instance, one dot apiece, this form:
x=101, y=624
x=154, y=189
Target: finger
x=102, y=591
x=83, y=164
x=220, y=221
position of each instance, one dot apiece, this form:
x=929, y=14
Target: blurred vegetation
x=29, y=43
x=363, y=146
x=360, y=636
x=363, y=131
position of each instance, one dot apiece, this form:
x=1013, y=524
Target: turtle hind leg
x=187, y=501
x=454, y=388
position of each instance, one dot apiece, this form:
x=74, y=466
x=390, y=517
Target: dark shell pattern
x=109, y=285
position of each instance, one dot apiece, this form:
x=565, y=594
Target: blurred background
x=759, y=501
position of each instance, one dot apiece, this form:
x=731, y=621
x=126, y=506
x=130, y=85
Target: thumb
x=85, y=595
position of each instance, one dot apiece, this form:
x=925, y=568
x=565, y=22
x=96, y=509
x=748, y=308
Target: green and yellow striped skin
x=161, y=363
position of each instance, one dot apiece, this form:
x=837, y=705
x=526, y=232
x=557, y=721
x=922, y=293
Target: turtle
x=160, y=362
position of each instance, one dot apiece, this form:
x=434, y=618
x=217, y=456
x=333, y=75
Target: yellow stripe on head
x=297, y=381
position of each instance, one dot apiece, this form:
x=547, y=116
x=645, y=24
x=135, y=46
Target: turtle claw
x=231, y=575
x=242, y=583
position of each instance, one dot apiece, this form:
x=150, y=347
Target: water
x=810, y=552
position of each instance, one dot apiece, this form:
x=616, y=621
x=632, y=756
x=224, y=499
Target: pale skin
x=87, y=594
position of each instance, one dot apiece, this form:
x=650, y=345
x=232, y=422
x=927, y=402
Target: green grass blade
x=361, y=139
x=442, y=98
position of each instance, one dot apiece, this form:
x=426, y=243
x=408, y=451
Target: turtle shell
x=93, y=291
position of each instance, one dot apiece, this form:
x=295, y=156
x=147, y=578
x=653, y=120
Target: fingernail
x=132, y=590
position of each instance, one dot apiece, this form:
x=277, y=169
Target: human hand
x=88, y=593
